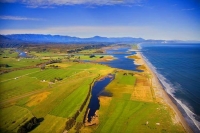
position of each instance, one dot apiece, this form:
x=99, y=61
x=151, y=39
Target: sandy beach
x=160, y=93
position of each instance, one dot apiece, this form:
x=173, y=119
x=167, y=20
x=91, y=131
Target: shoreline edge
x=161, y=93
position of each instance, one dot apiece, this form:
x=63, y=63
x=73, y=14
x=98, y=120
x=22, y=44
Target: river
x=121, y=62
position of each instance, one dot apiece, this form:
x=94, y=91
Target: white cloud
x=19, y=18
x=45, y=3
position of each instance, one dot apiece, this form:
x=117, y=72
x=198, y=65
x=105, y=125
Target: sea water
x=178, y=68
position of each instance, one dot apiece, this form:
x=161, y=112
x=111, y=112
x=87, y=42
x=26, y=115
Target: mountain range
x=37, y=38
x=19, y=39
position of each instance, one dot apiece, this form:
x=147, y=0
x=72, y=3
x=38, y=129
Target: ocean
x=178, y=68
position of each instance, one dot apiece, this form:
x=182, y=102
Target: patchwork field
x=53, y=95
x=12, y=117
x=57, y=95
x=132, y=108
x=134, y=116
x=12, y=59
x=98, y=57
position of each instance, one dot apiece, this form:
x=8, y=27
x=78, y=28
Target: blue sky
x=149, y=19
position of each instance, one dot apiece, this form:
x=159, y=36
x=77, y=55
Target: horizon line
x=97, y=36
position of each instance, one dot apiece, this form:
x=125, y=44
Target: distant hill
x=67, y=39
x=112, y=39
x=39, y=38
x=8, y=42
x=17, y=40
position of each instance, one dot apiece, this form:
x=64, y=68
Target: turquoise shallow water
x=178, y=68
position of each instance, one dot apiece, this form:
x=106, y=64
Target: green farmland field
x=12, y=117
x=8, y=53
x=65, y=109
x=18, y=73
x=18, y=63
x=131, y=116
x=55, y=95
x=51, y=124
x=49, y=74
x=20, y=86
x=122, y=113
x=30, y=92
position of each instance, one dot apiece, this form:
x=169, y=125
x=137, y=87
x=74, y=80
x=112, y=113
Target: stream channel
x=121, y=62
x=97, y=90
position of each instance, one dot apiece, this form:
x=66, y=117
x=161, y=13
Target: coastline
x=161, y=94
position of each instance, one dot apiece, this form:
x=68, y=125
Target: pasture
x=135, y=116
x=96, y=57
x=12, y=117
x=131, y=108
x=20, y=62
x=18, y=73
x=8, y=53
x=58, y=92
x=33, y=92
x=88, y=51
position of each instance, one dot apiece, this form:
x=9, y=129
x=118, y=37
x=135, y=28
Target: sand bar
x=161, y=94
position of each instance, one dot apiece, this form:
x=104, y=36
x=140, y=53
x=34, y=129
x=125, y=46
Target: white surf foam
x=170, y=89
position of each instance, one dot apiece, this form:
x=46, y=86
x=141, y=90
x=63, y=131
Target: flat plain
x=55, y=92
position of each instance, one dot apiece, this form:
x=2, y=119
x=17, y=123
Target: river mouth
x=97, y=90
